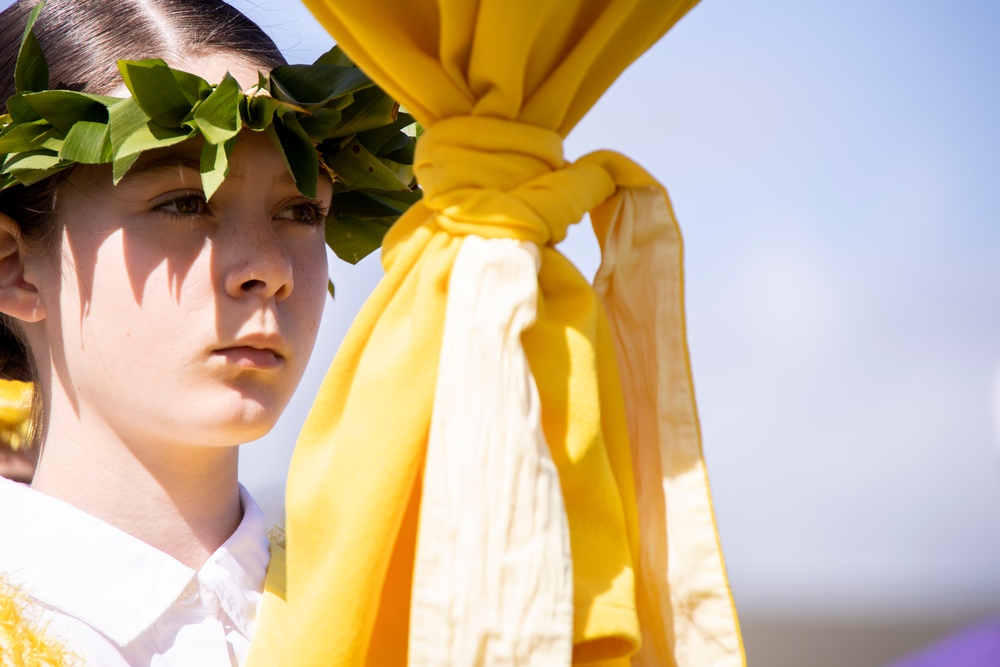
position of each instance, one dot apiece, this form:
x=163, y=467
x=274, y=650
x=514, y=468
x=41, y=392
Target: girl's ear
x=18, y=298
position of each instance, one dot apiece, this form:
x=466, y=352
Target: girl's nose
x=260, y=266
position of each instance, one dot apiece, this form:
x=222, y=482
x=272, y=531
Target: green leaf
x=31, y=72
x=357, y=168
x=62, y=108
x=122, y=165
x=218, y=117
x=320, y=124
x=401, y=170
x=166, y=95
x=375, y=139
x=315, y=86
x=23, y=136
x=87, y=143
x=374, y=203
x=150, y=136
x=51, y=140
x=33, y=166
x=31, y=176
x=20, y=111
x=398, y=145
x=353, y=239
x=341, y=103
x=193, y=86
x=414, y=131
x=298, y=151
x=124, y=117
x=260, y=111
x=372, y=108
x=336, y=57
x=215, y=165
x=30, y=160
x=400, y=199
x=397, y=154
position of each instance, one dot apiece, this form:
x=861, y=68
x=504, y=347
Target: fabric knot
x=499, y=178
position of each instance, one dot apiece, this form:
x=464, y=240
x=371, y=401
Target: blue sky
x=835, y=168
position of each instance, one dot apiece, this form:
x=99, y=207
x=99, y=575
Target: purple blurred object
x=972, y=646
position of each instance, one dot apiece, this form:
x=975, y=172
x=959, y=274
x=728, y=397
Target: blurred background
x=835, y=168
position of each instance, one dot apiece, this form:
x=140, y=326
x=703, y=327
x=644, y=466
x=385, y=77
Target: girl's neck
x=183, y=500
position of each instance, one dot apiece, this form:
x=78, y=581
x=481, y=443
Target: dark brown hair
x=83, y=40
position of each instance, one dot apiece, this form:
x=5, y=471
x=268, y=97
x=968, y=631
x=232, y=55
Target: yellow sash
x=394, y=552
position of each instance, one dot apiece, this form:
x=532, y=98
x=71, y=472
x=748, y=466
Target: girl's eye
x=185, y=205
x=307, y=213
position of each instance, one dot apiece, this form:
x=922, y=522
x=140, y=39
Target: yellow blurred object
x=425, y=522
x=23, y=641
x=15, y=411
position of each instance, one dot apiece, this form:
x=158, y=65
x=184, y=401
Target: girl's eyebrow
x=174, y=163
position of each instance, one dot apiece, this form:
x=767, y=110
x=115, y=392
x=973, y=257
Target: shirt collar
x=113, y=581
x=236, y=571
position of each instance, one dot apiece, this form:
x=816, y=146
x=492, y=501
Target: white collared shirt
x=116, y=601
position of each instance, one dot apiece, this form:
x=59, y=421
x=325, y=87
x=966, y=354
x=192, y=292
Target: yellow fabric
x=273, y=607
x=498, y=83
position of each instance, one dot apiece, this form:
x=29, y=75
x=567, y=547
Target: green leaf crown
x=328, y=114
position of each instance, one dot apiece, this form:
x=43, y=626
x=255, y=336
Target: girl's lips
x=251, y=357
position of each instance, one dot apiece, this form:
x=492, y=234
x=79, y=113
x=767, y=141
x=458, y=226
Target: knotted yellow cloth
x=503, y=465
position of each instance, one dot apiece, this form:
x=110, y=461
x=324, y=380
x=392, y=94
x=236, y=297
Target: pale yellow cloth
x=686, y=618
x=498, y=83
x=492, y=581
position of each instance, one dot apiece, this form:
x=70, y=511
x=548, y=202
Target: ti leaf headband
x=328, y=113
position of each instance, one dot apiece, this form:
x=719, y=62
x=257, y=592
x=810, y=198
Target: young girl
x=161, y=329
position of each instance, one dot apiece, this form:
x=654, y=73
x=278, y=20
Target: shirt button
x=189, y=595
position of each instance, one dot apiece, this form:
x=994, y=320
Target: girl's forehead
x=254, y=158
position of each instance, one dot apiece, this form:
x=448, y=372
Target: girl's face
x=172, y=320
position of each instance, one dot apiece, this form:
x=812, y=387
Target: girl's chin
x=234, y=424
x=248, y=427
x=213, y=415
x=230, y=435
